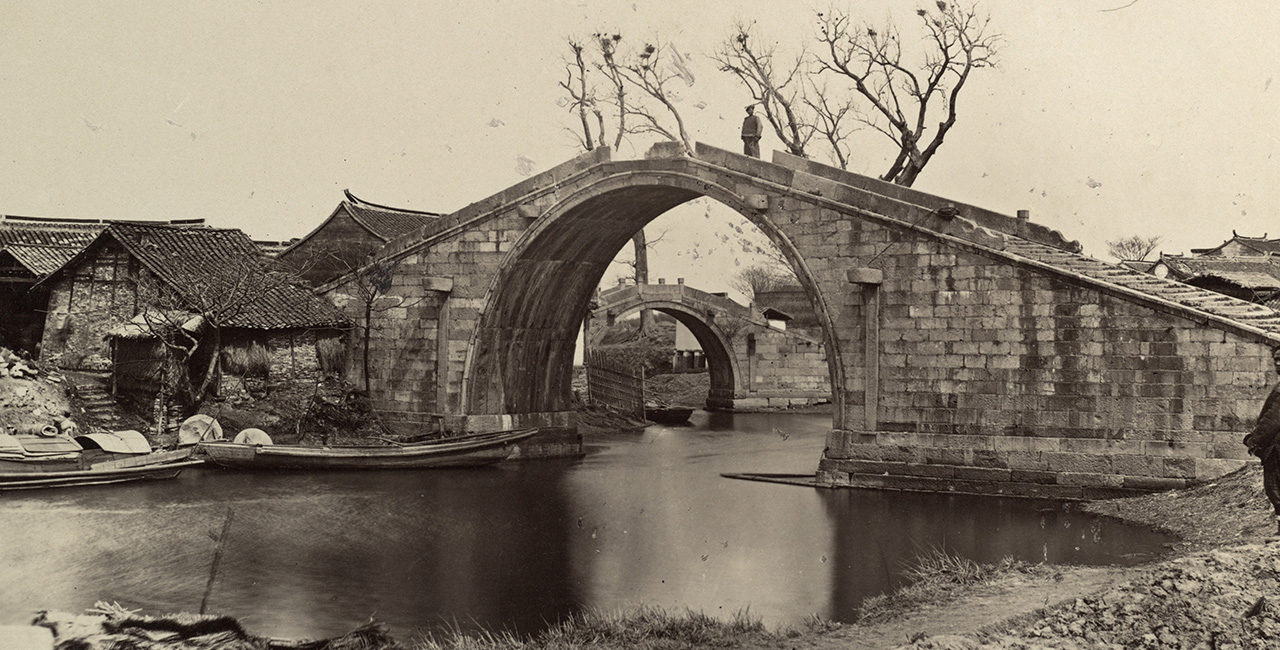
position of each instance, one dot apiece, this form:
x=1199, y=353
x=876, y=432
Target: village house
x=791, y=302
x=344, y=241
x=1240, y=267
x=1240, y=246
x=131, y=270
x=30, y=249
x=1254, y=278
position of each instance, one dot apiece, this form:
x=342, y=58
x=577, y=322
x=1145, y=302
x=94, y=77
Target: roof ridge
x=369, y=204
x=74, y=221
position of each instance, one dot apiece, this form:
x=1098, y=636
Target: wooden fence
x=615, y=386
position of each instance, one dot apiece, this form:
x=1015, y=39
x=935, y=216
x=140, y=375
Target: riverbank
x=1217, y=589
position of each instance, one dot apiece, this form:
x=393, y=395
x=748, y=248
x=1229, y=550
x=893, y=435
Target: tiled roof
x=48, y=232
x=1171, y=291
x=42, y=260
x=204, y=264
x=44, y=244
x=384, y=222
x=1247, y=272
x=1261, y=245
x=272, y=248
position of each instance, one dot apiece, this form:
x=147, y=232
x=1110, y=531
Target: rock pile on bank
x=32, y=399
x=1218, y=599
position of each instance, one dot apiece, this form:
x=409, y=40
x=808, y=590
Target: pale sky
x=1155, y=118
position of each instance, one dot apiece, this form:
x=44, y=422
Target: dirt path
x=984, y=606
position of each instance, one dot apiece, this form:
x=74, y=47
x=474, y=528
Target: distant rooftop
x=383, y=221
x=1251, y=245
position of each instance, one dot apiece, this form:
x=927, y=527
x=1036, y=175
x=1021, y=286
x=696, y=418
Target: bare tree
x=369, y=283
x=646, y=71
x=632, y=80
x=1133, y=248
x=901, y=95
x=758, y=278
x=583, y=100
x=831, y=121
x=620, y=88
x=778, y=91
x=189, y=324
x=639, y=264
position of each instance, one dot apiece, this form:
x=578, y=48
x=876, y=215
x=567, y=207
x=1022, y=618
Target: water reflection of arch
x=722, y=364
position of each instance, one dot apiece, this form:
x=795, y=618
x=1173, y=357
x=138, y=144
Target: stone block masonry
x=752, y=364
x=987, y=363
x=965, y=350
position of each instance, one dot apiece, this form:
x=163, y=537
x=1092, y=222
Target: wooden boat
x=668, y=414
x=465, y=451
x=86, y=471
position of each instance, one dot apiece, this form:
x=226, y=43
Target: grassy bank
x=639, y=628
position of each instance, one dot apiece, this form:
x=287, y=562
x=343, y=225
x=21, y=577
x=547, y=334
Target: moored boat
x=463, y=451
x=668, y=414
x=91, y=459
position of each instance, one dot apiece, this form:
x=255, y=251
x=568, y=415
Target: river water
x=644, y=519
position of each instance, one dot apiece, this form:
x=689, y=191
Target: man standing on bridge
x=1264, y=442
x=752, y=129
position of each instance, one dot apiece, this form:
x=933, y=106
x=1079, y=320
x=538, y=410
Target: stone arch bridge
x=966, y=350
x=751, y=363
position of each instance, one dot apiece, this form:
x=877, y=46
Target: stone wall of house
x=84, y=304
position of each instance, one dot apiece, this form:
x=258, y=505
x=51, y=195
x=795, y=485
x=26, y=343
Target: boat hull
x=469, y=451
x=159, y=465
x=670, y=415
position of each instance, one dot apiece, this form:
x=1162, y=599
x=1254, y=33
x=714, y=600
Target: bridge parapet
x=846, y=187
x=625, y=296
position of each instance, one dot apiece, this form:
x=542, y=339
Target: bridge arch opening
x=722, y=366
x=520, y=358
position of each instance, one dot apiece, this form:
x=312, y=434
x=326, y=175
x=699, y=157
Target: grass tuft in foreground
x=936, y=576
x=640, y=628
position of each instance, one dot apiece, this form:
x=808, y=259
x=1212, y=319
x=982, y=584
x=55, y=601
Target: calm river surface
x=645, y=518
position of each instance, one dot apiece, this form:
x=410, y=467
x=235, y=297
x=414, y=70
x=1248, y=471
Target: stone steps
x=99, y=406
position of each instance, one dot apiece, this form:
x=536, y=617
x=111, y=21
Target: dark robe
x=1262, y=443
x=752, y=129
